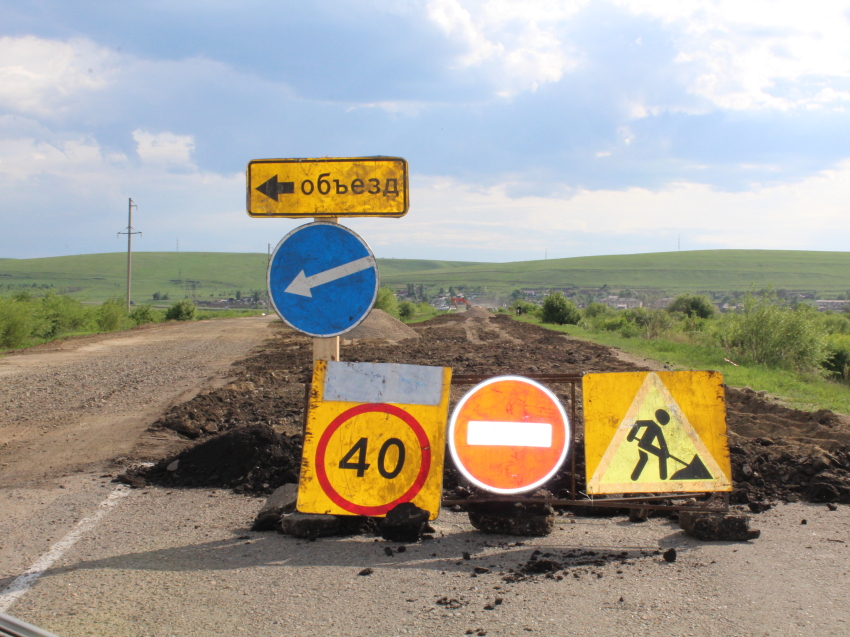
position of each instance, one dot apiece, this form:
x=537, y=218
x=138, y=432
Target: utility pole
x=269, y=296
x=129, y=234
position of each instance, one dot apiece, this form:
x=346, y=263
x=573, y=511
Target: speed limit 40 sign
x=375, y=438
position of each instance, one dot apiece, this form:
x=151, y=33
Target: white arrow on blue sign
x=323, y=279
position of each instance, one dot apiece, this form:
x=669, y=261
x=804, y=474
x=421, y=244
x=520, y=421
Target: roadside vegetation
x=407, y=311
x=795, y=352
x=26, y=320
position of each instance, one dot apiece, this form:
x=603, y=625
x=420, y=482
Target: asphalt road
x=158, y=562
x=183, y=563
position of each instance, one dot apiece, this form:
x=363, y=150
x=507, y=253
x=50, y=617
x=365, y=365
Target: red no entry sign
x=509, y=435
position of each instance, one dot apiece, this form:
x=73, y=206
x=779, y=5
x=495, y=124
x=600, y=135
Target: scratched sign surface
x=655, y=432
x=375, y=438
x=509, y=435
x=342, y=187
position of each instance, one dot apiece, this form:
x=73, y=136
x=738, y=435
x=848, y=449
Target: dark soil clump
x=252, y=459
x=249, y=439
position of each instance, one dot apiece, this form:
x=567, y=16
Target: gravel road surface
x=75, y=405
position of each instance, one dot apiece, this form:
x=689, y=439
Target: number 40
x=361, y=465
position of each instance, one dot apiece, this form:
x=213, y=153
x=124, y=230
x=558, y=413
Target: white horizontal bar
x=509, y=434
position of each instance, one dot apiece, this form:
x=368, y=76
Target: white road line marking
x=509, y=434
x=303, y=285
x=24, y=582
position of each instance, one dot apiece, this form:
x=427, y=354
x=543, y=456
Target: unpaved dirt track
x=82, y=403
x=68, y=409
x=171, y=561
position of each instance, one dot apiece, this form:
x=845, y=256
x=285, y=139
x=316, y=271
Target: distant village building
x=621, y=304
x=832, y=304
x=663, y=304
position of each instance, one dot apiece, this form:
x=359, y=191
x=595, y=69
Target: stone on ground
x=734, y=527
x=309, y=525
x=513, y=518
x=404, y=523
x=282, y=501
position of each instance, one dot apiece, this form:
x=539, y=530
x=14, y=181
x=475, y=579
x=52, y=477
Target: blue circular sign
x=323, y=279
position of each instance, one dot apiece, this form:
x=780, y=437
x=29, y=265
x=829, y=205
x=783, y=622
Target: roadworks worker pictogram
x=655, y=449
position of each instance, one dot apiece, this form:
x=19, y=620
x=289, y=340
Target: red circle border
x=418, y=483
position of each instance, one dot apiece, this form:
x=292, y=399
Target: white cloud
x=742, y=55
x=807, y=215
x=517, y=38
x=42, y=77
x=164, y=148
x=778, y=54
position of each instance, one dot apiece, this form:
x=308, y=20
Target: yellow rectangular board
x=375, y=437
x=329, y=187
x=655, y=432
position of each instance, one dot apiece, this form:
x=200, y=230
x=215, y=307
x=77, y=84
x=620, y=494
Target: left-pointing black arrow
x=272, y=188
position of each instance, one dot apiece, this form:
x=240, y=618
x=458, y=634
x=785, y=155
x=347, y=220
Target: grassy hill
x=207, y=275
x=824, y=272
x=202, y=275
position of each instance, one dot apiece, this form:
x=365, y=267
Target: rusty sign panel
x=509, y=435
x=656, y=432
x=343, y=187
x=375, y=438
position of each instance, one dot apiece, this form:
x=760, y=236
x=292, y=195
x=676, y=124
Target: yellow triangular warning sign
x=655, y=450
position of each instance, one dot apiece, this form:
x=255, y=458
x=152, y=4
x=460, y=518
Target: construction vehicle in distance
x=460, y=299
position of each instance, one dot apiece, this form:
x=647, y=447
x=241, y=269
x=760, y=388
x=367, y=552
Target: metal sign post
x=326, y=349
x=319, y=281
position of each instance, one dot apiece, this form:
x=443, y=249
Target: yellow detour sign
x=655, y=432
x=349, y=187
x=376, y=437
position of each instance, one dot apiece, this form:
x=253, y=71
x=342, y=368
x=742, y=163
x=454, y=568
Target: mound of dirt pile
x=762, y=470
x=379, y=324
x=250, y=459
x=478, y=312
x=752, y=414
x=776, y=452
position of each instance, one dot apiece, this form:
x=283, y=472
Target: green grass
x=721, y=270
x=425, y=315
x=800, y=391
x=98, y=277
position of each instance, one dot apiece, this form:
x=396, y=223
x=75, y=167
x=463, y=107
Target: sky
x=533, y=128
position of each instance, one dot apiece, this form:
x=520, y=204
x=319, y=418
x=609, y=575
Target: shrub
x=837, y=361
x=111, y=316
x=597, y=309
x=630, y=330
x=560, y=311
x=16, y=323
x=834, y=323
x=406, y=310
x=181, y=311
x=697, y=305
x=60, y=314
x=767, y=334
x=387, y=302
x=524, y=308
x=146, y=314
